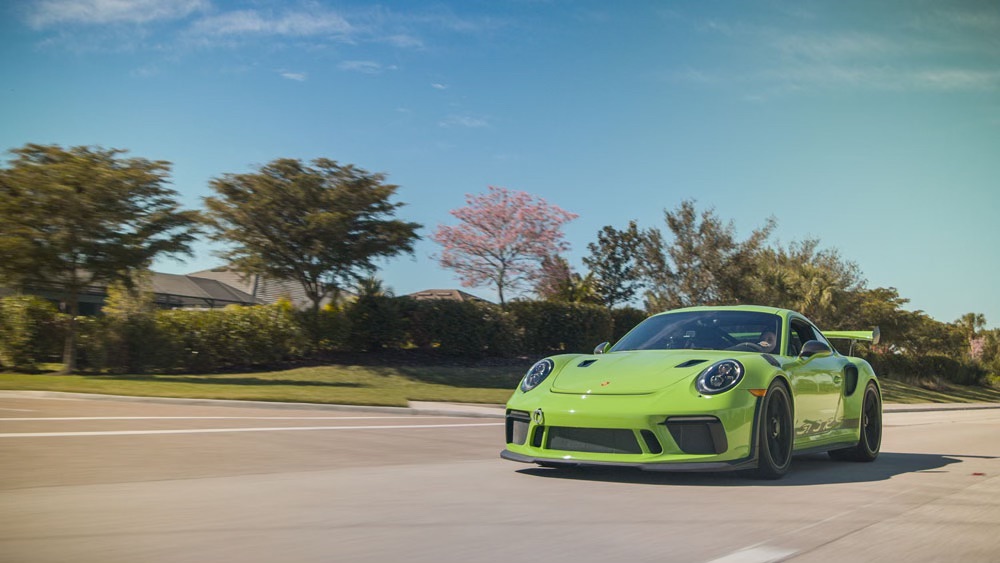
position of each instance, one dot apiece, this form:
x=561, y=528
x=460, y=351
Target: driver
x=768, y=340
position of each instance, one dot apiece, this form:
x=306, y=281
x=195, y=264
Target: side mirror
x=876, y=336
x=815, y=348
x=602, y=347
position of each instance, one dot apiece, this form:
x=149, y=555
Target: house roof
x=169, y=289
x=264, y=289
x=445, y=294
x=198, y=290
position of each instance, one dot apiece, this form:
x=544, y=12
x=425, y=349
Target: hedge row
x=31, y=331
x=906, y=367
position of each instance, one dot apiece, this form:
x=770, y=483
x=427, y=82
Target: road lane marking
x=56, y=418
x=18, y=410
x=223, y=430
x=762, y=554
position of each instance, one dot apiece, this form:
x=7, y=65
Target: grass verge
x=339, y=384
x=387, y=385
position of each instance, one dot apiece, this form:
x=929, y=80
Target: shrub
x=375, y=322
x=462, y=328
x=326, y=331
x=231, y=337
x=31, y=331
x=624, y=320
x=561, y=327
x=911, y=367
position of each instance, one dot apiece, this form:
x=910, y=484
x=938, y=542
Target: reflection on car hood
x=634, y=372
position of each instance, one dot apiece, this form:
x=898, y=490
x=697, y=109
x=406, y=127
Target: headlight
x=536, y=375
x=719, y=377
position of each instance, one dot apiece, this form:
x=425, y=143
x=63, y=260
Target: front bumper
x=657, y=432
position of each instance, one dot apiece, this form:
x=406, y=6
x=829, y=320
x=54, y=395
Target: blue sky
x=873, y=126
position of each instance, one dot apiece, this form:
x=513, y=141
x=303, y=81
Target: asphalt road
x=127, y=481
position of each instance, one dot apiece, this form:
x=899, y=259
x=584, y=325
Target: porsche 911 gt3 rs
x=701, y=388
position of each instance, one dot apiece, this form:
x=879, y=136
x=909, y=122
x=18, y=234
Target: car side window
x=800, y=334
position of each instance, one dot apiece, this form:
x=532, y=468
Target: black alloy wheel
x=870, y=441
x=775, y=435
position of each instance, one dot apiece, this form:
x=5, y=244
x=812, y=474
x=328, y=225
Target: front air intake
x=698, y=434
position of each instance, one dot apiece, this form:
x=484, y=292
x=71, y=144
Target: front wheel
x=870, y=441
x=774, y=434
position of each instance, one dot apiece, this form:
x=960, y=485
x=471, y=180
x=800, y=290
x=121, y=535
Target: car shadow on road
x=806, y=470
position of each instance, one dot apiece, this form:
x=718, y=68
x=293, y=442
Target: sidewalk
x=415, y=407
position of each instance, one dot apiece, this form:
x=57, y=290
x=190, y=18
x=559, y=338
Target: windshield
x=705, y=330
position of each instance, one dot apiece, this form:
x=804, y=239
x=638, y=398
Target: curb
x=419, y=408
x=937, y=407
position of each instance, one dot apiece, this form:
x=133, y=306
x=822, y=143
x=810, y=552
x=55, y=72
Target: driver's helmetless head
x=767, y=340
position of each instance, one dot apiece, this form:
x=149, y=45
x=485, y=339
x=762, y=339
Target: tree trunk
x=69, y=346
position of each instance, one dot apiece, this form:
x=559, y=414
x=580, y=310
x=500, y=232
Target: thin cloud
x=774, y=61
x=365, y=67
x=296, y=76
x=294, y=24
x=464, y=121
x=439, y=86
x=49, y=13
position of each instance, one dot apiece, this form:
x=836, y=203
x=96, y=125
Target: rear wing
x=854, y=336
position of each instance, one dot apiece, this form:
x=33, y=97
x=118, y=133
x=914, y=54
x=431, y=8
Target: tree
x=558, y=282
x=818, y=283
x=614, y=264
x=704, y=264
x=83, y=216
x=971, y=324
x=502, y=238
x=322, y=225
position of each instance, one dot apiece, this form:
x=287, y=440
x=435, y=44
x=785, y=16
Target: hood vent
x=690, y=363
x=585, y=363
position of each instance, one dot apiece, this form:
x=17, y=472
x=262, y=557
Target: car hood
x=632, y=373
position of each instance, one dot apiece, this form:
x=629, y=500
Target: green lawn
x=378, y=385
x=341, y=384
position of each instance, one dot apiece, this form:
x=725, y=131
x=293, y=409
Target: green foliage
x=558, y=282
x=462, y=328
x=815, y=282
x=30, y=329
x=704, y=263
x=74, y=217
x=376, y=318
x=624, y=319
x=911, y=367
x=131, y=342
x=322, y=225
x=569, y=327
x=614, y=263
x=327, y=330
x=191, y=340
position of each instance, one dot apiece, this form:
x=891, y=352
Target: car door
x=817, y=382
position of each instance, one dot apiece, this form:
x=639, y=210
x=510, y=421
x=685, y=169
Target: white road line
x=18, y=410
x=222, y=430
x=26, y=419
x=762, y=554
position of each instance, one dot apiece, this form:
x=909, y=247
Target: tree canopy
x=501, y=239
x=323, y=226
x=614, y=263
x=72, y=218
x=704, y=263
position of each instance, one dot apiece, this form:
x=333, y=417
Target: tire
x=870, y=441
x=775, y=434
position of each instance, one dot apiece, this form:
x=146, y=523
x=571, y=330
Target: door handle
x=837, y=379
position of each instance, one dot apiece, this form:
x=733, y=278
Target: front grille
x=593, y=440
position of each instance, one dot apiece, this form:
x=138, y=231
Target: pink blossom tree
x=502, y=238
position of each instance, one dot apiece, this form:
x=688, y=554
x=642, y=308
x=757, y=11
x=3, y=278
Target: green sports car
x=702, y=388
